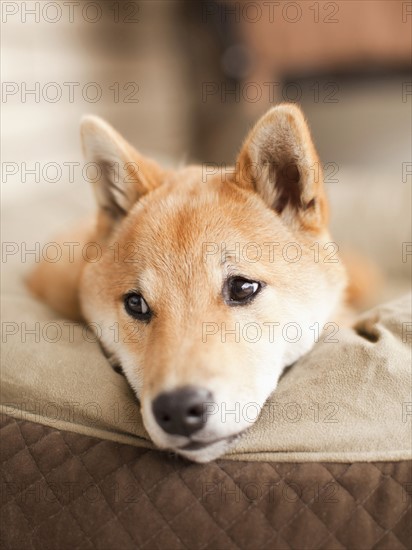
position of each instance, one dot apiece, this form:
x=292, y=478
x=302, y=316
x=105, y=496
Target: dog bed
x=327, y=465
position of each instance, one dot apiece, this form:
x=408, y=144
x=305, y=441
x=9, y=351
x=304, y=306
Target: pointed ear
x=279, y=161
x=123, y=175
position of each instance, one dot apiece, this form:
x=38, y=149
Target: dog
x=214, y=278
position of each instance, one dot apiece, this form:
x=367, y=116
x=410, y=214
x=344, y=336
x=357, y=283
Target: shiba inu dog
x=215, y=278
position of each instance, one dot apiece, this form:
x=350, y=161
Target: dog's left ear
x=279, y=161
x=123, y=175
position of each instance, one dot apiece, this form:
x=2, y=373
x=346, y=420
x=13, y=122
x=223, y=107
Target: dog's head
x=210, y=282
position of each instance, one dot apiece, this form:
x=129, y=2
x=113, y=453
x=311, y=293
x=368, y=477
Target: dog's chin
x=201, y=447
x=205, y=452
x=196, y=450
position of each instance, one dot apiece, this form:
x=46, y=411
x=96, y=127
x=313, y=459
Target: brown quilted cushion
x=62, y=490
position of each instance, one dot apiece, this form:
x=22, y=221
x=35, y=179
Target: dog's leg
x=57, y=283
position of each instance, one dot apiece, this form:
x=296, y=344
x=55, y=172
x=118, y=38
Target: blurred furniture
x=324, y=36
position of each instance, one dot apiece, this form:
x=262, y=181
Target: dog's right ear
x=123, y=175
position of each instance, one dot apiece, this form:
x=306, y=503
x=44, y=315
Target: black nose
x=182, y=412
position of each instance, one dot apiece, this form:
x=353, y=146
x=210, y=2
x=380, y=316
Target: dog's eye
x=240, y=290
x=137, y=307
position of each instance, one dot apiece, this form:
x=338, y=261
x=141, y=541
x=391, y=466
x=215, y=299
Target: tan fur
x=365, y=281
x=172, y=220
x=58, y=283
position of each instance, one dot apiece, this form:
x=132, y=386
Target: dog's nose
x=182, y=412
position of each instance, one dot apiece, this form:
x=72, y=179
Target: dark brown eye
x=240, y=290
x=137, y=307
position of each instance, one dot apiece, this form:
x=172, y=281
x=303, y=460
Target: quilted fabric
x=62, y=490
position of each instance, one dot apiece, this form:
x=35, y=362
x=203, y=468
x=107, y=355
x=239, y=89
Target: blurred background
x=185, y=80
